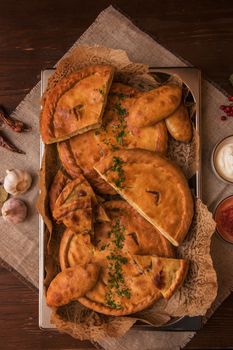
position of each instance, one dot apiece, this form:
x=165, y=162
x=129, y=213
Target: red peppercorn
x=230, y=98
x=222, y=107
x=223, y=117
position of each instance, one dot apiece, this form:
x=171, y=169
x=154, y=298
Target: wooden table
x=34, y=34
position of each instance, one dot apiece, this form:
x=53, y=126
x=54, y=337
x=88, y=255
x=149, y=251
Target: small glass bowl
x=225, y=236
x=217, y=147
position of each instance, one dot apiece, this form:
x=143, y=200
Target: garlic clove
x=17, y=181
x=14, y=211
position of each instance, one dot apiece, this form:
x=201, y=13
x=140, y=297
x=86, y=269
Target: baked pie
x=83, y=151
x=76, y=103
x=154, y=186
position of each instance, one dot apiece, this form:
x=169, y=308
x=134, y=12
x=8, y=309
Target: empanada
x=71, y=284
x=179, y=124
x=155, y=105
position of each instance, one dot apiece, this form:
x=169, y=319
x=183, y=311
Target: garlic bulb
x=14, y=211
x=17, y=181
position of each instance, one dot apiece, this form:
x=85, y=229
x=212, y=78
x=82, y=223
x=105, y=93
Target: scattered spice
x=223, y=117
x=14, y=124
x=8, y=145
x=117, y=167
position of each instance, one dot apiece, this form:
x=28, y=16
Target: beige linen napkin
x=19, y=244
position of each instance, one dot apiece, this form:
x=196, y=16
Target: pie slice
x=139, y=236
x=167, y=274
x=76, y=103
x=122, y=288
x=59, y=182
x=81, y=152
x=76, y=204
x=75, y=249
x=154, y=186
x=71, y=284
x=155, y=105
x=179, y=124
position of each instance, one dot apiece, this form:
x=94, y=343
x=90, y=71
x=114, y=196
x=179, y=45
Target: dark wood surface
x=34, y=34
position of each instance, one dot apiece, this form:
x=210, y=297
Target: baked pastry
x=154, y=186
x=83, y=151
x=76, y=103
x=76, y=206
x=140, y=237
x=179, y=124
x=71, y=284
x=167, y=274
x=127, y=282
x=75, y=249
x=155, y=105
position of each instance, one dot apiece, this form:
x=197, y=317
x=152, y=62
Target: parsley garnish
x=116, y=281
x=119, y=109
x=117, y=167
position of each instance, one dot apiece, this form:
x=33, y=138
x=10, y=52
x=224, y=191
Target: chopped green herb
x=101, y=91
x=119, y=109
x=110, y=302
x=104, y=246
x=117, y=167
x=119, y=137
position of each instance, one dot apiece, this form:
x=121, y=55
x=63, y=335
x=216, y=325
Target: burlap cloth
x=19, y=244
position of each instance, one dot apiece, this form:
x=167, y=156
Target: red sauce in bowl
x=224, y=219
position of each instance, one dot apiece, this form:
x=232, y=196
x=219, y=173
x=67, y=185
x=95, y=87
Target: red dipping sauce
x=224, y=219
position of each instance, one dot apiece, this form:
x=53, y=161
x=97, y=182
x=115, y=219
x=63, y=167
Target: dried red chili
x=8, y=145
x=14, y=124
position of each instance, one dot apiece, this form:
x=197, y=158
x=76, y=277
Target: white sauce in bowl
x=223, y=159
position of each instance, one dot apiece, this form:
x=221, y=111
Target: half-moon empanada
x=179, y=124
x=71, y=284
x=155, y=105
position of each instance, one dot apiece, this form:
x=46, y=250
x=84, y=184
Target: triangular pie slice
x=155, y=105
x=59, y=182
x=140, y=237
x=75, y=249
x=77, y=206
x=179, y=124
x=167, y=274
x=76, y=103
x=83, y=151
x=154, y=186
x=121, y=288
x=71, y=283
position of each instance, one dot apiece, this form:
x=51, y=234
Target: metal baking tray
x=191, y=77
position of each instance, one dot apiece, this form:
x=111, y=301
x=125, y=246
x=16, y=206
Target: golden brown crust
x=155, y=187
x=76, y=103
x=141, y=238
x=75, y=249
x=167, y=274
x=59, y=182
x=155, y=105
x=77, y=206
x=64, y=287
x=179, y=124
x=83, y=151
